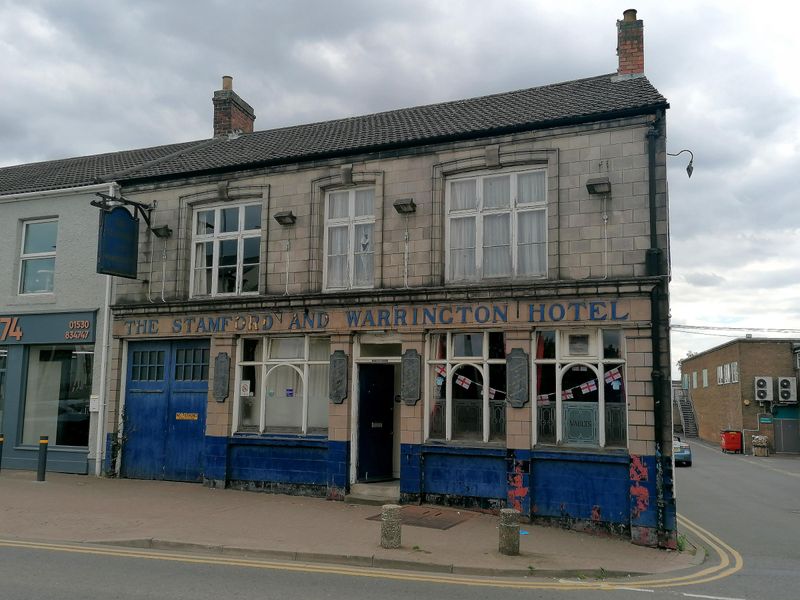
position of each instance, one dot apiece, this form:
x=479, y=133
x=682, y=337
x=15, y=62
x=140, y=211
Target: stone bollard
x=509, y=532
x=390, y=526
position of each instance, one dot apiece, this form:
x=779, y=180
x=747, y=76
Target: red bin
x=731, y=441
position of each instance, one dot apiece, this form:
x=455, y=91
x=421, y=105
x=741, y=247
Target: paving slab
x=170, y=515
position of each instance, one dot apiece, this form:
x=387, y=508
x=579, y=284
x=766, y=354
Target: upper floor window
x=349, y=243
x=38, y=257
x=226, y=250
x=497, y=225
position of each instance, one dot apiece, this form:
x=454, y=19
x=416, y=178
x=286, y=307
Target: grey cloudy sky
x=85, y=77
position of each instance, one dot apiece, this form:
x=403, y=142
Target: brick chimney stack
x=231, y=113
x=630, y=45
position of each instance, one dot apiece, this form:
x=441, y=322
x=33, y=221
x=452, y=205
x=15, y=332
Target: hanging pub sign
x=118, y=243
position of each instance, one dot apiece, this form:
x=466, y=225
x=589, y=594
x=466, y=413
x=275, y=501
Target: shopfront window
x=580, y=388
x=283, y=385
x=467, y=396
x=59, y=383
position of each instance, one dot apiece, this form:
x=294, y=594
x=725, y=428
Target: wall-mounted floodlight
x=285, y=217
x=162, y=232
x=405, y=206
x=598, y=185
x=689, y=167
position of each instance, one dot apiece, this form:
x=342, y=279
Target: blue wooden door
x=165, y=410
x=186, y=412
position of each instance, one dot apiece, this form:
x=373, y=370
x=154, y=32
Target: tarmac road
x=754, y=505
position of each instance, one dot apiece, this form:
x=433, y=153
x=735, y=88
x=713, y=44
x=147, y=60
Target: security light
x=405, y=206
x=162, y=232
x=285, y=217
x=598, y=185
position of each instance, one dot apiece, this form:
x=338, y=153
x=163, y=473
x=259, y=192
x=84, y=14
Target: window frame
x=480, y=212
x=36, y=256
x=705, y=378
x=563, y=362
x=452, y=363
x=265, y=366
x=351, y=221
x=216, y=238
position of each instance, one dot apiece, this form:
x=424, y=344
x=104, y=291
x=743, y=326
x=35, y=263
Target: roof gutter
x=629, y=112
x=97, y=187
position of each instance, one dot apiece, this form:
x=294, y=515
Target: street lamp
x=689, y=167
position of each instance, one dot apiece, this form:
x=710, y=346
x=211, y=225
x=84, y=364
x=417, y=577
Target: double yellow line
x=730, y=561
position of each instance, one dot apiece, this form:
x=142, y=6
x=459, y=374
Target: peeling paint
x=596, y=513
x=638, y=469
x=517, y=491
x=642, y=496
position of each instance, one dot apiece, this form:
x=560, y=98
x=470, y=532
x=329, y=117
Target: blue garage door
x=165, y=410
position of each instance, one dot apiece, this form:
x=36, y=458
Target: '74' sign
x=9, y=328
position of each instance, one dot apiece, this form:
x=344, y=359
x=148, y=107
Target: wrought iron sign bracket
x=145, y=210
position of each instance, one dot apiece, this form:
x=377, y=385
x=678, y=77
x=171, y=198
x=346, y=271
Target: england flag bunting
x=566, y=395
x=440, y=370
x=589, y=386
x=492, y=392
x=463, y=381
x=613, y=375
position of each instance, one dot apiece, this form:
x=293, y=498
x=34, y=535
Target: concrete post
x=509, y=532
x=390, y=526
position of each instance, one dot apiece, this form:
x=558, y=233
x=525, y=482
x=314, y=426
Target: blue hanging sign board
x=118, y=243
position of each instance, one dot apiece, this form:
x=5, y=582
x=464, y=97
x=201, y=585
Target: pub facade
x=468, y=299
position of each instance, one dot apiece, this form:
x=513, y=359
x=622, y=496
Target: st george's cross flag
x=463, y=381
x=613, y=375
x=589, y=386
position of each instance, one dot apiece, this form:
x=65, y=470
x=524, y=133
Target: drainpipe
x=658, y=296
x=104, y=355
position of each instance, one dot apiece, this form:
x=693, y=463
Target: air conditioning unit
x=787, y=389
x=763, y=388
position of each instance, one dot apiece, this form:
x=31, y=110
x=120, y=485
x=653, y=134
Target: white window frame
x=266, y=366
x=726, y=373
x=694, y=380
x=216, y=238
x=596, y=362
x=350, y=221
x=719, y=375
x=735, y=372
x=705, y=378
x=36, y=256
x=479, y=213
x=451, y=363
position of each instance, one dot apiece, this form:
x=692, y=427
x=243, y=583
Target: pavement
x=190, y=517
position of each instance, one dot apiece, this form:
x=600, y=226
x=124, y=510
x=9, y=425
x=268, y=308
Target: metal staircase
x=687, y=413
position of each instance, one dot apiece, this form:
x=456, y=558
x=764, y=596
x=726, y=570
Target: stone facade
x=597, y=277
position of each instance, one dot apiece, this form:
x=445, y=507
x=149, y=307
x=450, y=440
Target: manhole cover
x=428, y=516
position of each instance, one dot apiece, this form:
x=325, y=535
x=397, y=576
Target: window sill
x=464, y=447
x=577, y=453
x=278, y=439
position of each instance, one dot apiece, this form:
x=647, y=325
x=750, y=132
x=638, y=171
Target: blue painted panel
x=642, y=491
x=465, y=472
x=410, y=468
x=216, y=458
x=271, y=462
x=584, y=487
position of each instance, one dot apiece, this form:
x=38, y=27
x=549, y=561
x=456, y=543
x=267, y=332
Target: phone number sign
x=50, y=328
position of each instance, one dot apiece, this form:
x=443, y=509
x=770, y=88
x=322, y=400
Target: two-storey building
x=53, y=306
x=468, y=298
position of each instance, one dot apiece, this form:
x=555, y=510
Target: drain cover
x=429, y=516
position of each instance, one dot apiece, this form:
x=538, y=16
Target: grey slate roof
x=80, y=171
x=581, y=100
